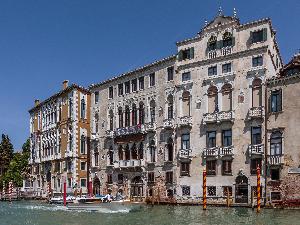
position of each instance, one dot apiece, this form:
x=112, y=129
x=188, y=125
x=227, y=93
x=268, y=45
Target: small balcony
x=168, y=123
x=256, y=150
x=210, y=118
x=185, y=153
x=123, y=131
x=226, y=151
x=150, y=127
x=222, y=52
x=109, y=133
x=275, y=160
x=129, y=163
x=210, y=152
x=226, y=51
x=256, y=113
x=225, y=116
x=185, y=121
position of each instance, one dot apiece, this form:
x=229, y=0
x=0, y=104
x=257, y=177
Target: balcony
x=218, y=117
x=129, y=163
x=211, y=152
x=150, y=127
x=221, y=52
x=226, y=116
x=275, y=160
x=123, y=131
x=256, y=112
x=257, y=150
x=210, y=118
x=109, y=133
x=185, y=153
x=185, y=121
x=168, y=123
x=226, y=151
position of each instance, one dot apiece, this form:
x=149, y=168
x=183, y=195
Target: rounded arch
x=96, y=186
x=134, y=153
x=137, y=180
x=127, y=152
x=227, y=35
x=186, y=95
x=170, y=99
x=212, y=90
x=120, y=152
x=212, y=39
x=152, y=103
x=226, y=88
x=241, y=179
x=256, y=83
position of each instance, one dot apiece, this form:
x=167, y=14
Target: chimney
x=65, y=84
x=36, y=102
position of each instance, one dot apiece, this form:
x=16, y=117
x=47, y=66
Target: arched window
x=127, y=116
x=170, y=107
x=96, y=122
x=120, y=152
x=141, y=113
x=120, y=112
x=111, y=155
x=170, y=150
x=141, y=151
x=127, y=153
x=152, y=151
x=186, y=99
x=152, y=111
x=134, y=154
x=227, y=39
x=83, y=144
x=256, y=93
x=70, y=108
x=276, y=143
x=134, y=115
x=227, y=97
x=212, y=94
x=82, y=108
x=212, y=43
x=111, y=120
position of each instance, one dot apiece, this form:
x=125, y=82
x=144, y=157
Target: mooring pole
x=10, y=187
x=204, y=189
x=228, y=203
x=258, y=189
x=65, y=192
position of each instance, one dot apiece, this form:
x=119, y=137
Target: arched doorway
x=241, y=189
x=137, y=187
x=96, y=186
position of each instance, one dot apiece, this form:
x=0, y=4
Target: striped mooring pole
x=258, y=189
x=3, y=190
x=204, y=189
x=48, y=190
x=10, y=190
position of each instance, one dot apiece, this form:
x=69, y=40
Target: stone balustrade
x=275, y=159
x=256, y=112
x=256, y=149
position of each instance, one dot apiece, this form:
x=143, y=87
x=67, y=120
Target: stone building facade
x=283, y=127
x=155, y=129
x=59, y=137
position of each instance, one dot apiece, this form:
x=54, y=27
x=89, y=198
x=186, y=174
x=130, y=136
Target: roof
x=140, y=69
x=66, y=90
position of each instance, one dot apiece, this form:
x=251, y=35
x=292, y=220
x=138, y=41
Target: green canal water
x=38, y=213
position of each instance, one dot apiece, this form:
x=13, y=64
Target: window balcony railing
x=226, y=151
x=226, y=116
x=275, y=159
x=256, y=112
x=185, y=121
x=256, y=150
x=150, y=127
x=211, y=152
x=129, y=163
x=220, y=52
x=109, y=133
x=185, y=153
x=123, y=131
x=168, y=123
x=210, y=118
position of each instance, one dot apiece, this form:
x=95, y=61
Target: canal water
x=39, y=213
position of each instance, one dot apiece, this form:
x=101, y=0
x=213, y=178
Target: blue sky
x=44, y=42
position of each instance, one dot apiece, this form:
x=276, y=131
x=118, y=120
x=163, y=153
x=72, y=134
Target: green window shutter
x=270, y=102
x=251, y=37
x=233, y=41
x=265, y=34
x=220, y=44
x=180, y=55
x=191, y=52
x=280, y=100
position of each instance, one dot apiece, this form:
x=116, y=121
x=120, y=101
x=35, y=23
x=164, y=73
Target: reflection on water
x=38, y=213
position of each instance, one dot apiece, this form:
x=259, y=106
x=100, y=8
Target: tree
x=6, y=152
x=18, y=166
